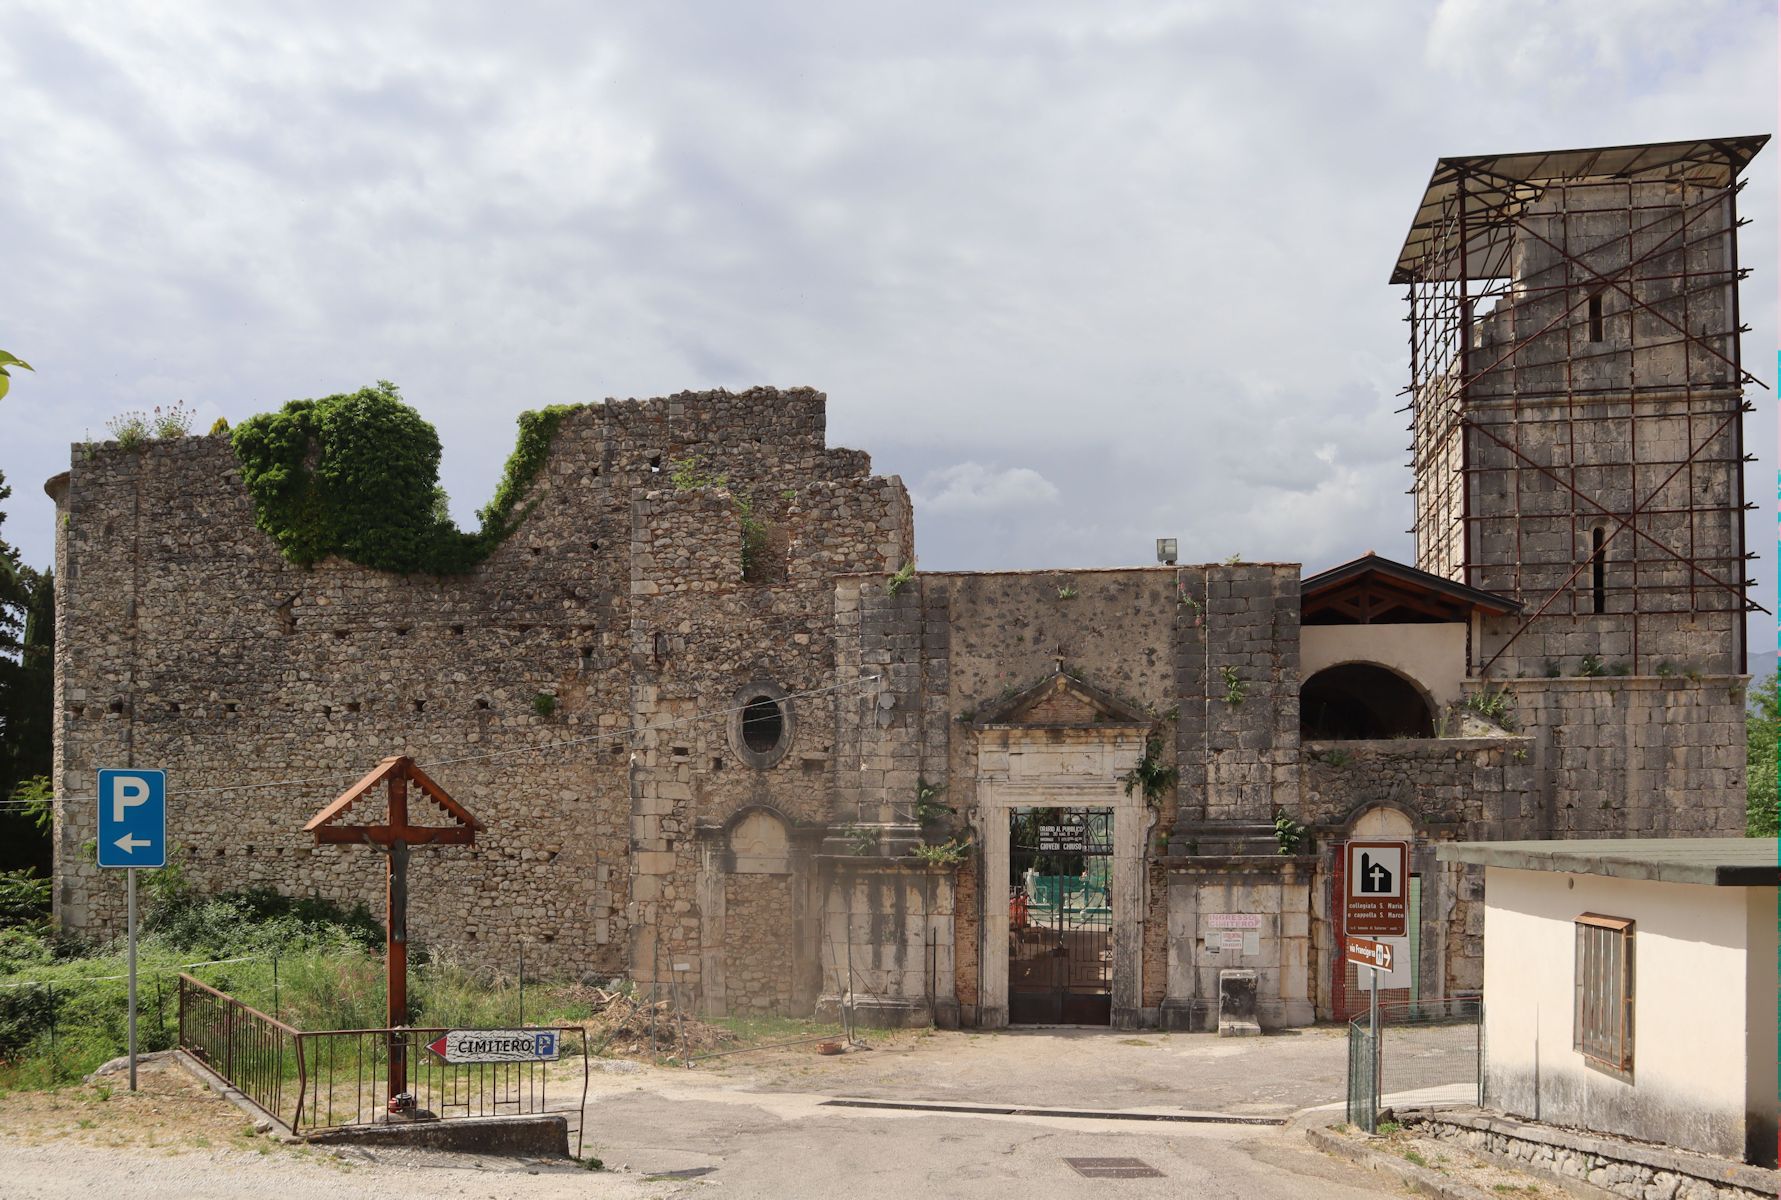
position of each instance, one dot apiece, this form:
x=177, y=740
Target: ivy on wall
x=357, y=475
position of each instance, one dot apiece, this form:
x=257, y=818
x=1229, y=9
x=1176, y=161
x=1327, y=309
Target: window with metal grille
x=1603, y=1025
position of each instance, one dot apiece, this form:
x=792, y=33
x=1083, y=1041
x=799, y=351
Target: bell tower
x=1577, y=402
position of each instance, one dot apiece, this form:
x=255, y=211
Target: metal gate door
x=1060, y=918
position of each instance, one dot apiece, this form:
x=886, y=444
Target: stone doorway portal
x=1060, y=916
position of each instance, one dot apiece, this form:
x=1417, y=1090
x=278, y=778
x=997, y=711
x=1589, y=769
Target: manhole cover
x=1113, y=1168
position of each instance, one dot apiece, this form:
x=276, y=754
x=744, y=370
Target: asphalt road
x=765, y=1125
x=794, y=1145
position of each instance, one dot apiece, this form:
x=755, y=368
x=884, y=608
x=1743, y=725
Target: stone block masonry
x=187, y=642
x=709, y=717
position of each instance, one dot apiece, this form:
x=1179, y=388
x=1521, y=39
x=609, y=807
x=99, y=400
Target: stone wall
x=888, y=942
x=186, y=641
x=704, y=640
x=1277, y=895
x=757, y=954
x=1447, y=789
x=1651, y=756
x=1636, y=1170
x=1236, y=655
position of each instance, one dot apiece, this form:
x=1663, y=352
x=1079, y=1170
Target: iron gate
x=1060, y=919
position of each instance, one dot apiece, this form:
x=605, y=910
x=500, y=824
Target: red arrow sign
x=438, y=1047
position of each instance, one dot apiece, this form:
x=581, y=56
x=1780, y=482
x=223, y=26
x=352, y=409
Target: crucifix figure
x=393, y=837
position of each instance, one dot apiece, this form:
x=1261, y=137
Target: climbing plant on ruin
x=357, y=475
x=1150, y=774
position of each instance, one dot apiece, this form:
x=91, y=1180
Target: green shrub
x=24, y=897
x=1762, y=813
x=1150, y=774
x=357, y=475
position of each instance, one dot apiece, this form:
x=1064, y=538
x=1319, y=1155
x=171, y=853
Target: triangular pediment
x=1063, y=700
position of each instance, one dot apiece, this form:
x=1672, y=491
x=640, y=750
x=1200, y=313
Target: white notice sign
x=496, y=1045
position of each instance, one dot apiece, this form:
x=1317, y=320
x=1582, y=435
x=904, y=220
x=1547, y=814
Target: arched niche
x=1380, y=823
x=1358, y=701
x=760, y=844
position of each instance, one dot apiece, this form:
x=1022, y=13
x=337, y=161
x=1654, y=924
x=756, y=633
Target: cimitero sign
x=497, y=1045
x=1377, y=882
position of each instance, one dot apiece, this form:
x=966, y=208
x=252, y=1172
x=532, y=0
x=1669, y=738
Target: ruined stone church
x=755, y=752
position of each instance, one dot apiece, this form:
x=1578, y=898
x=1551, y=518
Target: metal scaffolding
x=1561, y=305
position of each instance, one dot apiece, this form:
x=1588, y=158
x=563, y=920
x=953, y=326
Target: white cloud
x=973, y=488
x=1139, y=247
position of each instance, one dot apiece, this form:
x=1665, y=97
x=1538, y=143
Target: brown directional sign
x=1364, y=952
x=1377, y=882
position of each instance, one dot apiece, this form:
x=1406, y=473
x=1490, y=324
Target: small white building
x=1630, y=987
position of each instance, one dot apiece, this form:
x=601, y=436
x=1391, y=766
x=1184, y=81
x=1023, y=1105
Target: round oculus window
x=763, y=724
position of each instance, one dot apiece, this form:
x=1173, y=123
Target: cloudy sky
x=1082, y=274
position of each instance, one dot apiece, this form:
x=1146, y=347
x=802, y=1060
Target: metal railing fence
x=314, y=1080
x=257, y=1054
x=1427, y=1051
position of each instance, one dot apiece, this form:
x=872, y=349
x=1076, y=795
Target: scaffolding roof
x=1499, y=186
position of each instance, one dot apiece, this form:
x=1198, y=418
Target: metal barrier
x=260, y=1056
x=1429, y=1050
x=313, y=1080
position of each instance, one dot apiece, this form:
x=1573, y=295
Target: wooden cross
x=393, y=838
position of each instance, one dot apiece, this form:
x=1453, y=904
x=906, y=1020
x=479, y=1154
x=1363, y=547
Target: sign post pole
x=1376, y=957
x=132, y=834
x=130, y=887
x=396, y=939
x=1373, y=1024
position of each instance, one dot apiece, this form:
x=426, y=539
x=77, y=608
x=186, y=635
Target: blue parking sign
x=132, y=818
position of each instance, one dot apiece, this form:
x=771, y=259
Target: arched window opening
x=1359, y=701
x=1598, y=569
x=1595, y=317
x=763, y=724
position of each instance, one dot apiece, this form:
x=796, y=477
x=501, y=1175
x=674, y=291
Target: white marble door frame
x=1037, y=767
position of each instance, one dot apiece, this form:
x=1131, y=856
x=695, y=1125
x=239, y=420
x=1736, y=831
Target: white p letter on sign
x=127, y=791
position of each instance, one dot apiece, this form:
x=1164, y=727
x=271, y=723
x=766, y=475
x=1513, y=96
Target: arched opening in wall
x=1357, y=701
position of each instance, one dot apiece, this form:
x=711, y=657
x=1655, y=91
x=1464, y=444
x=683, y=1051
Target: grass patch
x=63, y=1008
